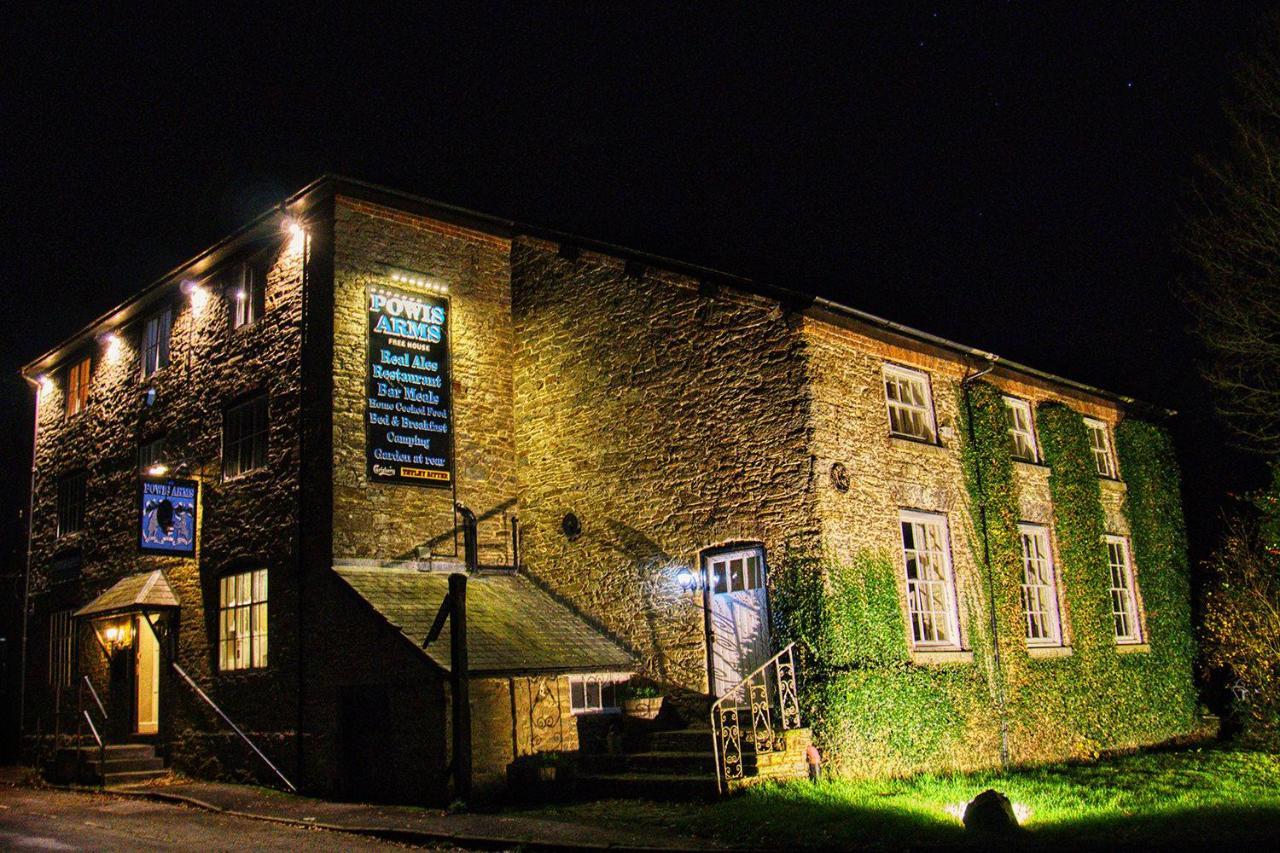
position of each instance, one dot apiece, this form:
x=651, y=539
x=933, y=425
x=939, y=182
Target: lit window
x=593, y=694
x=737, y=572
x=907, y=394
x=155, y=341
x=931, y=602
x=1039, y=588
x=1021, y=432
x=1124, y=603
x=78, y=386
x=150, y=453
x=242, y=621
x=1100, y=442
x=244, y=437
x=62, y=638
x=248, y=297
x=71, y=503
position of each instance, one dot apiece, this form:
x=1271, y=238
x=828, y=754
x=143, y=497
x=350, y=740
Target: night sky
x=1008, y=175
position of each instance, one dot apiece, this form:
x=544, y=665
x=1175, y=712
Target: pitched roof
x=512, y=625
x=146, y=591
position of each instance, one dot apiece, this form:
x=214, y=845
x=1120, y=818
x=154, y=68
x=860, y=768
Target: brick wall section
x=388, y=522
x=668, y=421
x=251, y=518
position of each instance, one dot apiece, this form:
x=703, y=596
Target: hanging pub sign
x=408, y=397
x=168, y=516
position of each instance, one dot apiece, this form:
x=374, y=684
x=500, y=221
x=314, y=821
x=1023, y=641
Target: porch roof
x=145, y=591
x=513, y=626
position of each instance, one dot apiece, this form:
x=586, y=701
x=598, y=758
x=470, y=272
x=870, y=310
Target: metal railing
x=768, y=697
x=82, y=718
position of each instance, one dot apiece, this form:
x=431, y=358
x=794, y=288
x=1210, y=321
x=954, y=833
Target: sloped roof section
x=512, y=625
x=146, y=591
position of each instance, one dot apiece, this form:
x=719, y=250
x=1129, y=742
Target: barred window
x=71, y=490
x=593, y=694
x=906, y=392
x=150, y=453
x=1100, y=442
x=1039, y=588
x=1021, y=432
x=931, y=601
x=78, y=376
x=62, y=639
x=155, y=341
x=1124, y=602
x=242, y=621
x=244, y=436
x=248, y=299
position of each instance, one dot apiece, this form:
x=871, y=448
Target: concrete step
x=681, y=740
x=669, y=763
x=131, y=777
x=649, y=786
x=113, y=751
x=125, y=765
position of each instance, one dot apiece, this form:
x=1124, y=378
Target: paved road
x=32, y=819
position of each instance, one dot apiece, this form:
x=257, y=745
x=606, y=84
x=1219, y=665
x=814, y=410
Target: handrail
x=234, y=727
x=96, y=698
x=789, y=707
x=93, y=730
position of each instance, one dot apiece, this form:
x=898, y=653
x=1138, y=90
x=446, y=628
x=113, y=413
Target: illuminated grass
x=1213, y=797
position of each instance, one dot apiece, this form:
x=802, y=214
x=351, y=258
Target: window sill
x=930, y=657
x=1032, y=464
x=1132, y=648
x=1114, y=483
x=1048, y=652
x=912, y=441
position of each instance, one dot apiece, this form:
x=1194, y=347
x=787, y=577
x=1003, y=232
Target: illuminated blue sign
x=168, y=517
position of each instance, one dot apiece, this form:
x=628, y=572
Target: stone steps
x=116, y=764
x=668, y=787
x=649, y=762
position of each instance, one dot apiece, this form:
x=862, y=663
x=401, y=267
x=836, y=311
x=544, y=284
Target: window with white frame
x=594, y=694
x=1124, y=601
x=738, y=571
x=155, y=341
x=1022, y=433
x=931, y=600
x=62, y=646
x=906, y=392
x=248, y=298
x=1039, y=587
x=1100, y=442
x=242, y=620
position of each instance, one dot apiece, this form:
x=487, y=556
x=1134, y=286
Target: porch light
x=44, y=383
x=113, y=345
x=297, y=234
x=687, y=579
x=114, y=634
x=158, y=470
x=199, y=296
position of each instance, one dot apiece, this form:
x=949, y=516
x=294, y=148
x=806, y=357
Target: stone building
x=252, y=480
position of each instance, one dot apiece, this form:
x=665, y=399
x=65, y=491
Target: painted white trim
x=952, y=643
x=1024, y=406
x=1112, y=470
x=1054, y=610
x=898, y=372
x=1136, y=633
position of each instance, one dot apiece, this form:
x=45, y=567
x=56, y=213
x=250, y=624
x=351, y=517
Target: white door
x=739, y=616
x=148, y=678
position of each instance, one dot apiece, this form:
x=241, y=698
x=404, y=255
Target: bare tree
x=1232, y=237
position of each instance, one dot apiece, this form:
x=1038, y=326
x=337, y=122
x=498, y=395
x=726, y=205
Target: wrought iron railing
x=767, y=697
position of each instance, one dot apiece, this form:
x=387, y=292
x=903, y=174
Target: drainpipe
x=26, y=575
x=998, y=672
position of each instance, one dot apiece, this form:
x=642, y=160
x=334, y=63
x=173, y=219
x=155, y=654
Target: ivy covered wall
x=877, y=712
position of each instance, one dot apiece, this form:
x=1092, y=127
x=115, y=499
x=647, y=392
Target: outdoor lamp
x=687, y=580
x=115, y=634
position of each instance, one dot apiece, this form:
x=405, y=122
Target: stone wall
x=250, y=519
x=387, y=522
x=669, y=417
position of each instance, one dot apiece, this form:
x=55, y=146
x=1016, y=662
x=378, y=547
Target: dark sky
x=1005, y=174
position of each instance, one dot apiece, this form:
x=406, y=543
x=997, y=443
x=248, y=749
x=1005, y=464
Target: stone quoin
x=408, y=367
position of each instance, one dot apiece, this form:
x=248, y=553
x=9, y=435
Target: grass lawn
x=1215, y=797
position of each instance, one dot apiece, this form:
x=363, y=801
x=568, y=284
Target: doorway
x=737, y=615
x=146, y=676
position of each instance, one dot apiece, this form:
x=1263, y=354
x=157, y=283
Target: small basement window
x=594, y=694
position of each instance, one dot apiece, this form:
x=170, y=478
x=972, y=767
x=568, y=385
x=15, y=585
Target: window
x=593, y=694
x=78, y=386
x=71, y=503
x=910, y=410
x=1021, y=432
x=1124, y=604
x=62, y=638
x=1100, y=441
x=150, y=453
x=155, y=342
x=242, y=621
x=931, y=602
x=737, y=572
x=248, y=297
x=244, y=437
x=1039, y=587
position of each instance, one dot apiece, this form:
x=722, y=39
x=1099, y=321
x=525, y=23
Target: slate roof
x=512, y=625
x=146, y=591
